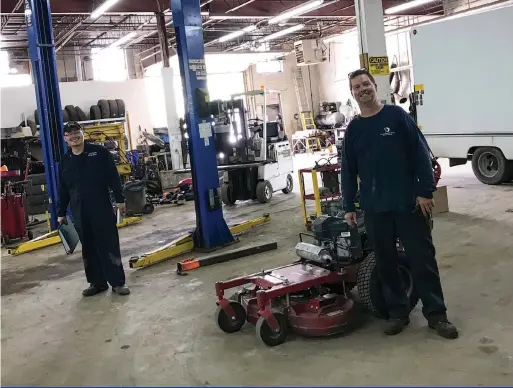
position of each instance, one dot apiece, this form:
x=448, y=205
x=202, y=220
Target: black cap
x=72, y=126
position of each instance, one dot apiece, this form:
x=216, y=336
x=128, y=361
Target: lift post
x=42, y=56
x=211, y=228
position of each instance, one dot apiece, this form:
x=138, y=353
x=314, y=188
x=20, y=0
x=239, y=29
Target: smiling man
x=385, y=149
x=87, y=172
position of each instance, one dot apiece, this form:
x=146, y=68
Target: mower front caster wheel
x=231, y=324
x=273, y=337
x=148, y=208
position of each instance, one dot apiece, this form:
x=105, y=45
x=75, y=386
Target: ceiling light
x=236, y=34
x=286, y=31
x=102, y=8
x=123, y=40
x=408, y=5
x=300, y=9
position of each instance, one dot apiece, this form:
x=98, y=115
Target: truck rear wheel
x=490, y=166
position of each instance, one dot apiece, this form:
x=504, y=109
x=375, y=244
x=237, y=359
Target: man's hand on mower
x=121, y=208
x=350, y=218
x=62, y=220
x=426, y=205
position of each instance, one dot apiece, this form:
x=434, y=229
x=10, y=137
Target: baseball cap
x=72, y=126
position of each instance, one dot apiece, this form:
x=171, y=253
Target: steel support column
x=211, y=229
x=371, y=39
x=164, y=49
x=42, y=55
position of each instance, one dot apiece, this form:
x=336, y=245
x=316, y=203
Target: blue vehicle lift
x=42, y=56
x=211, y=229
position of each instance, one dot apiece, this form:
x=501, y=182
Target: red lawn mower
x=311, y=296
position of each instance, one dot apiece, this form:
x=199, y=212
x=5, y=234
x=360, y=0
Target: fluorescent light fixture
x=102, y=8
x=281, y=33
x=236, y=34
x=123, y=40
x=300, y=9
x=408, y=5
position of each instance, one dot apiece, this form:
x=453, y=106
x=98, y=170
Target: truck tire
x=36, y=117
x=72, y=112
x=370, y=289
x=65, y=116
x=113, y=108
x=37, y=179
x=35, y=190
x=264, y=191
x=227, y=194
x=104, y=108
x=95, y=113
x=121, y=107
x=490, y=166
x=81, y=114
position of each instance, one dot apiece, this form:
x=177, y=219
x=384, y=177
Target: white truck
x=463, y=74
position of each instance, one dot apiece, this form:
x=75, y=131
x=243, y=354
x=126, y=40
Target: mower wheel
x=268, y=335
x=30, y=235
x=148, y=208
x=264, y=191
x=370, y=288
x=227, y=194
x=290, y=185
x=227, y=324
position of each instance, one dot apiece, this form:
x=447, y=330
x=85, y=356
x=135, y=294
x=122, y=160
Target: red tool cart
x=14, y=219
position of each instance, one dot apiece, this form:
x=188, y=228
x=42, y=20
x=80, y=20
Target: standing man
x=386, y=150
x=87, y=171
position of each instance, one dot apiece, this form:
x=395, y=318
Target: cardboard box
x=441, y=200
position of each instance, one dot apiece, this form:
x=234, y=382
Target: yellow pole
x=318, y=210
x=302, y=193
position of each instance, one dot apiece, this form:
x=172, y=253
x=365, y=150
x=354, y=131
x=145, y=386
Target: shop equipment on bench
x=311, y=296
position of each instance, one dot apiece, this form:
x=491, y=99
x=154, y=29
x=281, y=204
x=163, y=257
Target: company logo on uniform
x=387, y=132
x=92, y=153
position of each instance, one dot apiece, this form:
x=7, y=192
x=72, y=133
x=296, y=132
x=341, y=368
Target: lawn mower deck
x=311, y=296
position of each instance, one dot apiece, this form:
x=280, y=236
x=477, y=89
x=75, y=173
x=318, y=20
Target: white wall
x=18, y=100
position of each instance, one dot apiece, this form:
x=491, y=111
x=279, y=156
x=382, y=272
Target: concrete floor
x=164, y=332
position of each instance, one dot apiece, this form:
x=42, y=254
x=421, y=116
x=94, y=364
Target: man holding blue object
x=385, y=149
x=87, y=172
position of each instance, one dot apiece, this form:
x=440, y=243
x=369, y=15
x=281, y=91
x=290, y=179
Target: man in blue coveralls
x=385, y=149
x=87, y=171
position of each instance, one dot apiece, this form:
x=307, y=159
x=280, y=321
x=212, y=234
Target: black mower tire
x=121, y=107
x=495, y=155
x=113, y=108
x=104, y=109
x=72, y=112
x=227, y=194
x=81, y=114
x=148, y=208
x=290, y=185
x=270, y=337
x=65, y=116
x=231, y=325
x=369, y=286
x=95, y=113
x=264, y=191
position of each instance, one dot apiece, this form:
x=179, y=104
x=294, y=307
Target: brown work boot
x=121, y=290
x=93, y=290
x=445, y=329
x=396, y=325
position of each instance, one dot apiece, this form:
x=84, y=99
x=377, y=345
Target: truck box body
x=465, y=67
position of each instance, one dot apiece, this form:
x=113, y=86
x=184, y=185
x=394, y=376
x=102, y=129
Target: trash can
x=135, y=197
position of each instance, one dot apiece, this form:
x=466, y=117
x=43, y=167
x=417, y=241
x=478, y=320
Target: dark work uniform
x=85, y=180
x=389, y=154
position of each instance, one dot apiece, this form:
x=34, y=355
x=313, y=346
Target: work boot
x=121, y=290
x=93, y=290
x=445, y=329
x=395, y=325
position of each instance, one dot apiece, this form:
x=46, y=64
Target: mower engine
x=336, y=244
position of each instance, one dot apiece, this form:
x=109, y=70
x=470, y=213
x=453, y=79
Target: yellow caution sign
x=379, y=66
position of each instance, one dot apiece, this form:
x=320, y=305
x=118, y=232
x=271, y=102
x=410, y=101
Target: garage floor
x=164, y=332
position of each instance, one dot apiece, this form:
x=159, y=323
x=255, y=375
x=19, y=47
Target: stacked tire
x=36, y=194
x=107, y=109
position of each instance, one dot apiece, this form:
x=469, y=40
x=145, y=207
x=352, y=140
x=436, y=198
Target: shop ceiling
x=74, y=29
